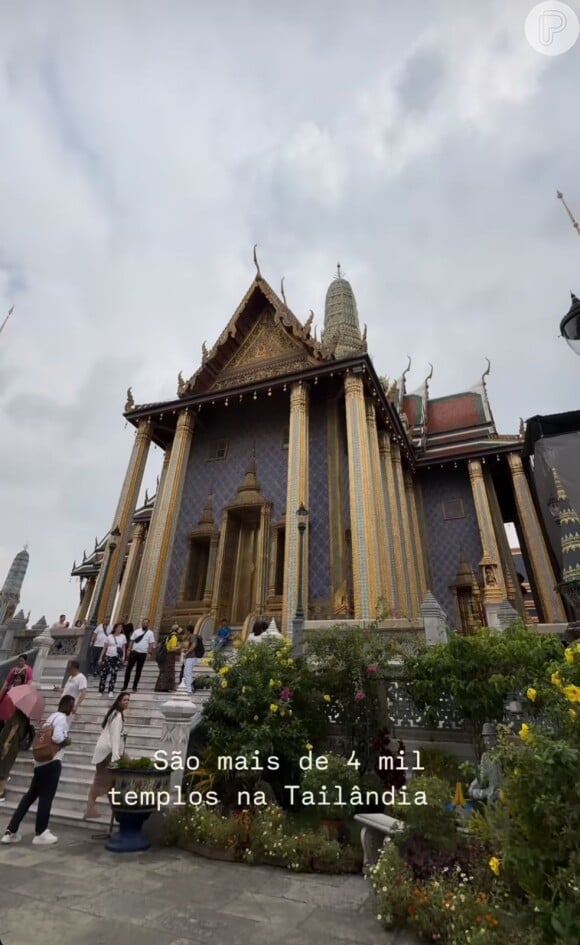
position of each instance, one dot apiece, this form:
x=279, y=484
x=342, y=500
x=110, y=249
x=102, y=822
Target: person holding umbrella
x=19, y=706
x=18, y=675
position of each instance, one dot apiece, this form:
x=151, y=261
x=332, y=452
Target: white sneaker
x=111, y=695
x=45, y=839
x=11, y=837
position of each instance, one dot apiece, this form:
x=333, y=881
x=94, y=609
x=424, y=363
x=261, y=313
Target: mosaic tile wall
x=447, y=539
x=319, y=529
x=262, y=423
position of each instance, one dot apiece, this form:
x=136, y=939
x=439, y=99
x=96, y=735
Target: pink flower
x=373, y=668
x=359, y=696
x=286, y=694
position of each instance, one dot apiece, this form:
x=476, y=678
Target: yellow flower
x=495, y=865
x=572, y=693
x=273, y=707
x=568, y=655
x=283, y=712
x=555, y=679
x=224, y=684
x=255, y=718
x=224, y=670
x=272, y=683
x=244, y=689
x=326, y=698
x=531, y=694
x=289, y=711
x=290, y=662
x=205, y=661
x=308, y=746
x=578, y=647
x=502, y=796
x=525, y=733
x=572, y=713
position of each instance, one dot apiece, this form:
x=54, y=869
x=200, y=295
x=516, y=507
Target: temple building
x=12, y=587
x=401, y=494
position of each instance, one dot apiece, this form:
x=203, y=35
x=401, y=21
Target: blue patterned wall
x=261, y=422
x=447, y=538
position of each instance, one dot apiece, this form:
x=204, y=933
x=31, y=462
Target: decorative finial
x=282, y=293
x=130, y=401
x=25, y=547
x=486, y=372
x=364, y=336
x=146, y=495
x=157, y=484
x=575, y=224
x=338, y=275
x=404, y=374
x=180, y=383
x=256, y=264
x=430, y=374
x=96, y=542
x=308, y=325
x=522, y=430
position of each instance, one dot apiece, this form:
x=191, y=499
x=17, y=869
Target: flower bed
x=264, y=836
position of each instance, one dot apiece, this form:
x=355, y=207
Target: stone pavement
x=76, y=893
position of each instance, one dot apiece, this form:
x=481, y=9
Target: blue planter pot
x=130, y=838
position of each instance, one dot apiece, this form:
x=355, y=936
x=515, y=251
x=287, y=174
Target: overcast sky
x=147, y=146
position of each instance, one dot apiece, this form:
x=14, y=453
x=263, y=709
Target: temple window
x=453, y=509
x=197, y=568
x=218, y=449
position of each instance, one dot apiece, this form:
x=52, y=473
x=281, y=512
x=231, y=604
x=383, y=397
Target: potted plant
x=137, y=789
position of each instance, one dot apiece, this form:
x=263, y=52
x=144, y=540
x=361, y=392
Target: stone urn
x=138, y=790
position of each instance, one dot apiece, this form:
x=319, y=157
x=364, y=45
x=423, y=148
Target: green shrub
x=440, y=764
x=338, y=773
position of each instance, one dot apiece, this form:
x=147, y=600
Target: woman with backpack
x=165, y=658
x=108, y=750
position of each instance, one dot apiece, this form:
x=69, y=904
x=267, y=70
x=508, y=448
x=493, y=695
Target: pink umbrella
x=26, y=698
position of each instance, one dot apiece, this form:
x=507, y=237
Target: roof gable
x=262, y=339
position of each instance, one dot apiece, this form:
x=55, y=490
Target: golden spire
x=10, y=310
x=575, y=224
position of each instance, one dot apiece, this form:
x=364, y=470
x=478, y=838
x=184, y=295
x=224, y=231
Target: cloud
x=147, y=147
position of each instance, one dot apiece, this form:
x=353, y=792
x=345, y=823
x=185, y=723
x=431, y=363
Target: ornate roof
x=16, y=574
x=262, y=339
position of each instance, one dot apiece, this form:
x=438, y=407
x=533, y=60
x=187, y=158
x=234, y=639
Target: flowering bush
x=338, y=772
x=535, y=830
x=346, y=663
x=264, y=705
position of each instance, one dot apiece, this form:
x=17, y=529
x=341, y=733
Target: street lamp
x=302, y=516
x=298, y=622
x=570, y=325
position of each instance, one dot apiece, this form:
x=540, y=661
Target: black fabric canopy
x=555, y=424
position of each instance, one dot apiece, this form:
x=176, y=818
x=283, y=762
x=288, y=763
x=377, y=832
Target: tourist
x=98, y=641
x=166, y=654
x=223, y=636
x=76, y=685
x=11, y=739
x=194, y=652
x=185, y=641
x=44, y=780
x=257, y=631
x=142, y=643
x=127, y=628
x=112, y=657
x=108, y=750
x=19, y=675
x=61, y=624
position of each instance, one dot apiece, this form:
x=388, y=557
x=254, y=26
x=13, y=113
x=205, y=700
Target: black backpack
x=161, y=654
x=199, y=648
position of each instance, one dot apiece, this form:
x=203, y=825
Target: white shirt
x=110, y=740
x=75, y=685
x=100, y=636
x=60, y=723
x=113, y=642
x=142, y=640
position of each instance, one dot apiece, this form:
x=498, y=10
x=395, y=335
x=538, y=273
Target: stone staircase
x=143, y=727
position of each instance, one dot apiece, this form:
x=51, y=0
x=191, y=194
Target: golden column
x=109, y=576
x=494, y=590
x=409, y=562
x=416, y=535
x=83, y=608
x=362, y=512
x=400, y=595
x=542, y=579
x=384, y=585
x=138, y=610
x=296, y=495
x=338, y=563
x=129, y=579
x=164, y=521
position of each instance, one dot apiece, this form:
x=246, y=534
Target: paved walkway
x=77, y=893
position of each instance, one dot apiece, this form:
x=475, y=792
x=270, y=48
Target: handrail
x=7, y=665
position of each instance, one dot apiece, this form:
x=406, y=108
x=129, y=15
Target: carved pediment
x=269, y=350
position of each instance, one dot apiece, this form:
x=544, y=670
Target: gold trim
x=381, y=532
x=362, y=517
x=402, y=603
x=494, y=590
x=296, y=495
x=416, y=534
x=409, y=561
